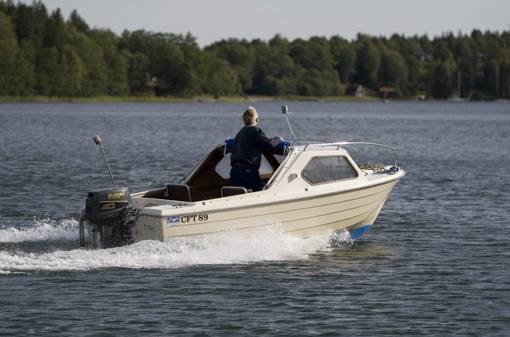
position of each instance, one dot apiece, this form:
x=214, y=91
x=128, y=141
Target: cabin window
x=223, y=167
x=328, y=169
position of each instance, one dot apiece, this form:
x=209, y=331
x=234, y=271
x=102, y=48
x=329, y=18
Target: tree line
x=41, y=53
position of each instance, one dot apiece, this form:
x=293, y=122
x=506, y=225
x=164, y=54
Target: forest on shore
x=44, y=54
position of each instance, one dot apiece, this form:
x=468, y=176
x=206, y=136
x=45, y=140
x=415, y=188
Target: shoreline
x=160, y=99
x=206, y=99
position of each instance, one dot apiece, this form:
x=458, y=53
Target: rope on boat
x=373, y=167
x=392, y=170
x=379, y=168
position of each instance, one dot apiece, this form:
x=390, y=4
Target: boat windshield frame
x=349, y=145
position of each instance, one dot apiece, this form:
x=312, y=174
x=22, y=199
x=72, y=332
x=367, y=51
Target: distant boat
x=458, y=98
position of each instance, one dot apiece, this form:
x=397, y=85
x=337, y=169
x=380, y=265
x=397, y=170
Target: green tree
x=91, y=67
x=275, y=71
x=344, y=55
x=316, y=75
x=313, y=82
x=265, y=71
x=116, y=75
x=49, y=74
x=220, y=78
x=72, y=71
x=194, y=64
x=167, y=55
x=169, y=65
x=393, y=71
x=77, y=21
x=490, y=78
x=31, y=22
x=241, y=56
x=312, y=54
x=368, y=62
x=445, y=71
x=504, y=73
x=137, y=72
x=8, y=51
x=54, y=30
x=414, y=58
x=24, y=81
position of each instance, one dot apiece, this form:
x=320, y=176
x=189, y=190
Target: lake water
x=435, y=263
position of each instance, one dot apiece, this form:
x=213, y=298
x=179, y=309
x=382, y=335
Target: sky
x=211, y=21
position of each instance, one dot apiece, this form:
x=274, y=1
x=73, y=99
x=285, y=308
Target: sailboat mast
x=458, y=84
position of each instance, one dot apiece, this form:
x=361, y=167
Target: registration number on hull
x=183, y=219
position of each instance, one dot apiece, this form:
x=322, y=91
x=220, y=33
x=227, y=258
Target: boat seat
x=179, y=192
x=227, y=191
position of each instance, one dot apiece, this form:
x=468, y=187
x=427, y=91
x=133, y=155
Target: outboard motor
x=109, y=211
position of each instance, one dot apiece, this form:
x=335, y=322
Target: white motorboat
x=310, y=189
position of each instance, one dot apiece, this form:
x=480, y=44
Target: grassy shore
x=146, y=99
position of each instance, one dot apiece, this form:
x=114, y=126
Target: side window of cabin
x=328, y=169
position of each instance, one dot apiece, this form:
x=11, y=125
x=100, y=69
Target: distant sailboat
x=458, y=98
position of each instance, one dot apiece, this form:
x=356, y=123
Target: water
x=434, y=263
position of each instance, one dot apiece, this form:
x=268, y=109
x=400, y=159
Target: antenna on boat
x=285, y=111
x=99, y=142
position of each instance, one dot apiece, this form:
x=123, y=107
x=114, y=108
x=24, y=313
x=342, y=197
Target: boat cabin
x=210, y=178
x=318, y=165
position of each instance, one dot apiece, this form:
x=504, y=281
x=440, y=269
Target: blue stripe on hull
x=356, y=233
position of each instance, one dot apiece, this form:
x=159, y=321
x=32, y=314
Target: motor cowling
x=108, y=210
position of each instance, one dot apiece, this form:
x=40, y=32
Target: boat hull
x=354, y=211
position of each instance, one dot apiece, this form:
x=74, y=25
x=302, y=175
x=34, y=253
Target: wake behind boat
x=310, y=188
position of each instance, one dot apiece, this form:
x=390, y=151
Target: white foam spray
x=41, y=230
x=268, y=245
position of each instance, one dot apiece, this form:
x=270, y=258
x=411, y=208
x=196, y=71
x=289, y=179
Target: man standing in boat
x=246, y=156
